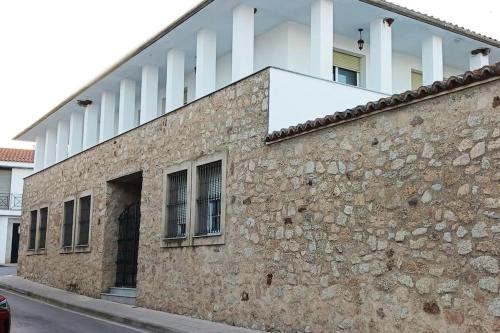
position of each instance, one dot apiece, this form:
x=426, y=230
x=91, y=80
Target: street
x=30, y=316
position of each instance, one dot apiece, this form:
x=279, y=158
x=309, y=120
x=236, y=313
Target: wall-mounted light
x=84, y=103
x=361, y=42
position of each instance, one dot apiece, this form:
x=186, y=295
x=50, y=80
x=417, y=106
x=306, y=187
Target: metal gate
x=128, y=245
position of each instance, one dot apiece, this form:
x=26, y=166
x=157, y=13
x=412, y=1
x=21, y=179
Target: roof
x=379, y=3
x=432, y=21
x=436, y=88
x=17, y=155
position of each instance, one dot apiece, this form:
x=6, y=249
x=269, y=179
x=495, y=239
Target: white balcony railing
x=11, y=201
x=296, y=98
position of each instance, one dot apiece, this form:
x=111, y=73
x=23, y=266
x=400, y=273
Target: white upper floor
x=15, y=165
x=321, y=65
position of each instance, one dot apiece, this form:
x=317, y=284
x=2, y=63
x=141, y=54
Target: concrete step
x=123, y=291
x=120, y=295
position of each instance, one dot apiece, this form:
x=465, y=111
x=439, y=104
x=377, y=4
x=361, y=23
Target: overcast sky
x=51, y=48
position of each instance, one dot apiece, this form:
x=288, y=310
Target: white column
x=126, y=117
x=62, y=140
x=149, y=93
x=174, y=97
x=479, y=59
x=90, y=126
x=322, y=39
x=243, y=41
x=432, y=60
x=50, y=147
x=380, y=68
x=75, y=133
x=108, y=108
x=39, y=153
x=206, y=62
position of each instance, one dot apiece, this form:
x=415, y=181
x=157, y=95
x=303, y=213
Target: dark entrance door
x=14, y=249
x=128, y=245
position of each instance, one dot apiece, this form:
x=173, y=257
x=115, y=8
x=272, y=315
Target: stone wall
x=387, y=223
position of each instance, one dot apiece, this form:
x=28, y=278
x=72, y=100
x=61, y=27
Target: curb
x=95, y=313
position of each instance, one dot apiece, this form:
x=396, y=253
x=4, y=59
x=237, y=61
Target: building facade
x=15, y=165
x=382, y=218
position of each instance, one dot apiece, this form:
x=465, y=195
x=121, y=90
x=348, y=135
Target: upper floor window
x=5, y=179
x=84, y=220
x=68, y=218
x=347, y=68
x=42, y=238
x=208, y=201
x=32, y=230
x=416, y=79
x=177, y=204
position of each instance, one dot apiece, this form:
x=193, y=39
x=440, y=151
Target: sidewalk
x=154, y=321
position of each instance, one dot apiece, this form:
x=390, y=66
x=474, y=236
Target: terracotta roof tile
x=17, y=155
x=395, y=100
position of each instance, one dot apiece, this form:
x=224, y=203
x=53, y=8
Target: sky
x=49, y=49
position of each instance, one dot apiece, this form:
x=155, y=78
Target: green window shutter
x=5, y=176
x=347, y=61
x=416, y=80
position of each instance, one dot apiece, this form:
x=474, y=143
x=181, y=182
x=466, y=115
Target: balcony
x=11, y=201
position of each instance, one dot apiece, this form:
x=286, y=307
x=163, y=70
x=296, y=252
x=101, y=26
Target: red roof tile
x=438, y=87
x=17, y=155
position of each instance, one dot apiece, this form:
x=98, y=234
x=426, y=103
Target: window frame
x=38, y=229
x=32, y=249
x=211, y=239
x=76, y=227
x=176, y=241
x=63, y=248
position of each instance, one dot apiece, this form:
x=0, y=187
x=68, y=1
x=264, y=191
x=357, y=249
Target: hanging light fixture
x=361, y=42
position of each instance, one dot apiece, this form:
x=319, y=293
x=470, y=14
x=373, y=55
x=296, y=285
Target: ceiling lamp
x=361, y=42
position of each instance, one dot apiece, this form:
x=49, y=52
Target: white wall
x=3, y=238
x=16, y=184
x=296, y=98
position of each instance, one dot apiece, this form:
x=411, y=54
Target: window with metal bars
x=177, y=205
x=44, y=214
x=208, y=199
x=32, y=233
x=84, y=221
x=69, y=213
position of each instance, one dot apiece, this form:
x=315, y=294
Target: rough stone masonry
x=386, y=223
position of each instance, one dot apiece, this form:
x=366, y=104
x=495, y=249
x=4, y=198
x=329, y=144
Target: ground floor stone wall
x=389, y=223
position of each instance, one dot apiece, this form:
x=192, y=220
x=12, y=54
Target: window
x=69, y=215
x=5, y=179
x=32, y=232
x=177, y=204
x=84, y=221
x=208, y=201
x=416, y=79
x=43, y=228
x=347, y=68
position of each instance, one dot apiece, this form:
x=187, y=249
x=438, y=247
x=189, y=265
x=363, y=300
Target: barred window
x=209, y=198
x=177, y=204
x=84, y=221
x=69, y=213
x=43, y=228
x=32, y=231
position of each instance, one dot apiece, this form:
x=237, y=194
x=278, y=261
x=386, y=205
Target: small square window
x=177, y=204
x=208, y=200
x=44, y=213
x=32, y=231
x=84, y=221
x=69, y=216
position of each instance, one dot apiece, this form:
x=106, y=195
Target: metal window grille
x=176, y=205
x=69, y=212
x=84, y=221
x=209, y=198
x=4, y=200
x=43, y=228
x=32, y=233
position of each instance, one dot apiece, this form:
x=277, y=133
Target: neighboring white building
x=329, y=55
x=15, y=165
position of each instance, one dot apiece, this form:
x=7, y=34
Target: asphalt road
x=30, y=316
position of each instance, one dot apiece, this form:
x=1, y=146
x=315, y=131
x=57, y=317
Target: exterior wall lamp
x=361, y=42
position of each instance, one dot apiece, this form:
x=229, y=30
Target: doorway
x=128, y=246
x=14, y=243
